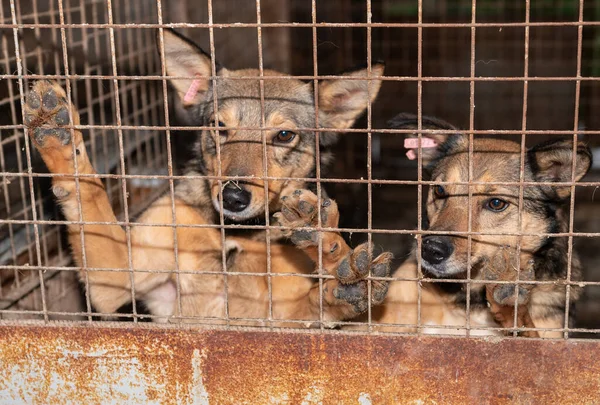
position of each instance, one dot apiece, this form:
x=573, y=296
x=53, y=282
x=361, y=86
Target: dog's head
x=494, y=208
x=287, y=107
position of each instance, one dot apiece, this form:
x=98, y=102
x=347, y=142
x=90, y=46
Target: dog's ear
x=341, y=101
x=184, y=58
x=433, y=144
x=553, y=162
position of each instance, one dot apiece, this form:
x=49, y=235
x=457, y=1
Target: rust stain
x=48, y=364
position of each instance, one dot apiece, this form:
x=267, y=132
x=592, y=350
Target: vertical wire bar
x=213, y=68
x=369, y=167
x=117, y=102
x=470, y=160
x=88, y=83
x=72, y=131
x=522, y=160
x=419, y=162
x=96, y=35
x=7, y=202
x=317, y=160
x=20, y=169
x=263, y=137
x=40, y=69
x=7, y=199
x=38, y=201
x=169, y=161
x=29, y=168
x=36, y=31
x=573, y=169
x=130, y=42
x=92, y=135
x=53, y=13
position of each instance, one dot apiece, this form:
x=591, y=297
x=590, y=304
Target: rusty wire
x=141, y=87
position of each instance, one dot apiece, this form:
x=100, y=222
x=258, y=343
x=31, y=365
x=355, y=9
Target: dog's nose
x=436, y=249
x=235, y=198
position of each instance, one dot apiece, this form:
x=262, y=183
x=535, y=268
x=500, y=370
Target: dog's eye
x=440, y=192
x=285, y=136
x=496, y=205
x=216, y=125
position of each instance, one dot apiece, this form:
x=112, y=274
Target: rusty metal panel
x=56, y=365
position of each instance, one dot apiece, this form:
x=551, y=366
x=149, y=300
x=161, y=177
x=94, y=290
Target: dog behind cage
x=273, y=220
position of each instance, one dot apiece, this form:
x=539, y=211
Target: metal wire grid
x=120, y=93
x=84, y=51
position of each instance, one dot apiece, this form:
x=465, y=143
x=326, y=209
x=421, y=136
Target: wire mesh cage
x=353, y=174
x=523, y=72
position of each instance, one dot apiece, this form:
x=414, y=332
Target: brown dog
x=194, y=276
x=493, y=252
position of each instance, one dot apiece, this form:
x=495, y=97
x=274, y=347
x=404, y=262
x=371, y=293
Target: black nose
x=235, y=198
x=436, y=249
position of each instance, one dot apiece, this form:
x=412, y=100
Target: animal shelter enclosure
x=522, y=71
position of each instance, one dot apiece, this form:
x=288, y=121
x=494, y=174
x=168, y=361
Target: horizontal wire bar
x=314, y=276
x=302, y=179
x=191, y=321
x=265, y=227
x=325, y=129
x=388, y=78
x=309, y=25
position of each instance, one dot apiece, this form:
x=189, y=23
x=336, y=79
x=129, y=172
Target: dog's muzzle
x=235, y=198
x=436, y=249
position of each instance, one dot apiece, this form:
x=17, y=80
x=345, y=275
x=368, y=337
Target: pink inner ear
x=192, y=91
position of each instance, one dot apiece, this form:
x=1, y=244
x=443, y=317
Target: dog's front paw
x=47, y=114
x=350, y=267
x=300, y=210
x=352, y=273
x=502, y=267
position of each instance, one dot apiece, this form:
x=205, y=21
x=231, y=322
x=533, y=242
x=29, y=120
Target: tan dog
x=206, y=294
x=494, y=209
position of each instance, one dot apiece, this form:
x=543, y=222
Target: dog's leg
x=46, y=117
x=347, y=295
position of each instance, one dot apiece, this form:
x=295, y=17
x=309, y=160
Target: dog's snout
x=235, y=198
x=436, y=249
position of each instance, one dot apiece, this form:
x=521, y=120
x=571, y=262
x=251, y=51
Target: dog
x=495, y=261
x=213, y=277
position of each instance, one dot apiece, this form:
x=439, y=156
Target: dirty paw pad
x=357, y=294
x=46, y=114
x=300, y=209
x=360, y=261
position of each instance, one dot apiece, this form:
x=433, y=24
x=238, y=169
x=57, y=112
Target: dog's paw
x=350, y=267
x=300, y=210
x=47, y=114
x=507, y=294
x=352, y=273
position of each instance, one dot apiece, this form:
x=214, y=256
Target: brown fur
x=289, y=104
x=493, y=257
